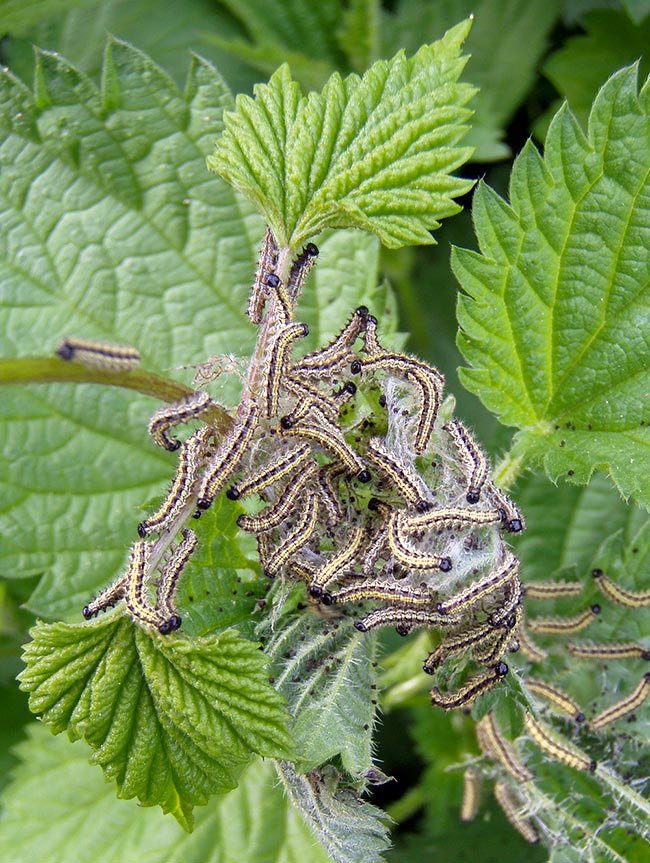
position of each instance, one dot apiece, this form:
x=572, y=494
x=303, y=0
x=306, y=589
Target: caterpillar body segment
x=556, y=697
x=180, y=493
x=108, y=598
x=471, y=794
x=272, y=516
x=618, y=594
x=337, y=565
x=283, y=465
x=267, y=265
x=168, y=582
x=623, y=707
x=496, y=746
x=296, y=538
x=512, y=810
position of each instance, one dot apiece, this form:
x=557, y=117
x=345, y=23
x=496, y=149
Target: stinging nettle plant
x=363, y=502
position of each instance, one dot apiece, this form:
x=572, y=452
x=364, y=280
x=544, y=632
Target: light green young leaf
x=58, y=809
x=172, y=720
x=520, y=29
x=555, y=322
x=374, y=153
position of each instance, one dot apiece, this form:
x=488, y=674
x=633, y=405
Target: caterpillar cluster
x=373, y=495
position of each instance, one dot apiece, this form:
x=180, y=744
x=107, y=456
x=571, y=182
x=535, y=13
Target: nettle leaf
x=325, y=671
x=18, y=17
x=520, y=28
x=555, y=322
x=58, y=809
x=172, y=720
x=168, y=32
x=567, y=534
x=111, y=228
x=374, y=153
x=351, y=831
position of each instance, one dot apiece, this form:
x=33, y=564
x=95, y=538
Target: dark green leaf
x=560, y=286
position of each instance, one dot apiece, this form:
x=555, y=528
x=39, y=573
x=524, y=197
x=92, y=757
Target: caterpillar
x=98, y=355
x=556, y=698
x=189, y=408
x=400, y=594
x=169, y=581
x=300, y=269
x=555, y=747
x=273, y=516
x=589, y=650
x=266, y=265
x=552, y=589
x=180, y=492
x=563, y=625
x=624, y=707
x=109, y=597
x=329, y=359
x=495, y=580
x=512, y=810
x=618, y=594
x=473, y=460
x=135, y=593
x=277, y=362
x=408, y=482
x=295, y=539
x=224, y=462
x=477, y=685
x=471, y=794
x=278, y=468
x=495, y=745
x=339, y=563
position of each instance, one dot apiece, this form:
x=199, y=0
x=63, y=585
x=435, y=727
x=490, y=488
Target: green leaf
x=505, y=76
x=567, y=533
x=172, y=720
x=298, y=32
x=326, y=674
x=351, y=831
x=360, y=33
x=57, y=809
x=636, y=9
x=555, y=322
x=579, y=67
x=167, y=32
x=374, y=153
x=19, y=15
x=112, y=228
